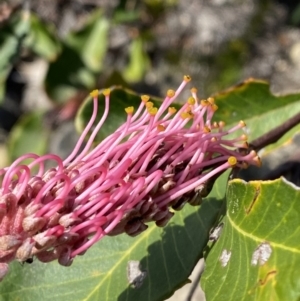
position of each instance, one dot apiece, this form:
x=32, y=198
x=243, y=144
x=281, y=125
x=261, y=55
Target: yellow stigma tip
x=253, y=153
x=213, y=139
x=206, y=129
x=145, y=98
x=186, y=115
x=194, y=90
x=242, y=123
x=211, y=100
x=94, y=93
x=245, y=145
x=188, y=109
x=244, y=137
x=232, y=161
x=257, y=160
x=221, y=124
x=170, y=93
x=187, y=78
x=214, y=107
x=149, y=105
x=129, y=110
x=191, y=101
x=152, y=111
x=106, y=92
x=215, y=125
x=204, y=103
x=172, y=110
x=160, y=128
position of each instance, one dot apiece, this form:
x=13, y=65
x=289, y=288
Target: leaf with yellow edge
x=258, y=254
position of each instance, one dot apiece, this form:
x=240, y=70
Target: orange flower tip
x=257, y=160
x=242, y=124
x=215, y=125
x=211, y=100
x=188, y=109
x=149, y=105
x=145, y=98
x=213, y=139
x=170, y=93
x=152, y=111
x=194, y=90
x=214, y=107
x=129, y=110
x=204, y=103
x=186, y=115
x=206, y=129
x=221, y=124
x=172, y=110
x=253, y=153
x=191, y=101
x=245, y=145
x=160, y=128
x=232, y=161
x=94, y=93
x=187, y=78
x=244, y=137
x=106, y=92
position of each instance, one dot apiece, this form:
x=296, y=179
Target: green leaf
x=91, y=42
x=11, y=36
x=167, y=254
x=138, y=61
x=68, y=74
x=28, y=136
x=248, y=99
x=42, y=39
x=262, y=235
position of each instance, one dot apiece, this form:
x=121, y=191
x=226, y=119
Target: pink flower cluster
x=159, y=159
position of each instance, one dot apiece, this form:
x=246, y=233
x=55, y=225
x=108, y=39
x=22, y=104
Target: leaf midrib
x=258, y=239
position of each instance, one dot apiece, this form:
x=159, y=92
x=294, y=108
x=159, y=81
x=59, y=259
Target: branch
x=275, y=134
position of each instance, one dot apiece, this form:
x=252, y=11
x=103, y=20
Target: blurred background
x=53, y=53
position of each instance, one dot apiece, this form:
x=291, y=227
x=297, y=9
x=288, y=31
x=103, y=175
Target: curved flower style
x=158, y=159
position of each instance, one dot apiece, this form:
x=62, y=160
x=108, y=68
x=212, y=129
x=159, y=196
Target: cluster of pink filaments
x=158, y=160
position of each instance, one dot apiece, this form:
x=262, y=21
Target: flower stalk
x=156, y=162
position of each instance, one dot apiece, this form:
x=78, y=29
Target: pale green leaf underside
x=257, y=212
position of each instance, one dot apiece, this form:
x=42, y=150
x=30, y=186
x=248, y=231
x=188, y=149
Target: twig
x=275, y=134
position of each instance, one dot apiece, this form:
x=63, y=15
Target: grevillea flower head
x=158, y=160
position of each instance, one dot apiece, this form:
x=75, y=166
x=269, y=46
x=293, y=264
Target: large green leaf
x=261, y=237
x=167, y=254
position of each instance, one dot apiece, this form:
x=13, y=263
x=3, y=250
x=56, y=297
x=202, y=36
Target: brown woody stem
x=275, y=134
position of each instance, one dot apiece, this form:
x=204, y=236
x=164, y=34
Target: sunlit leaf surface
x=261, y=239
